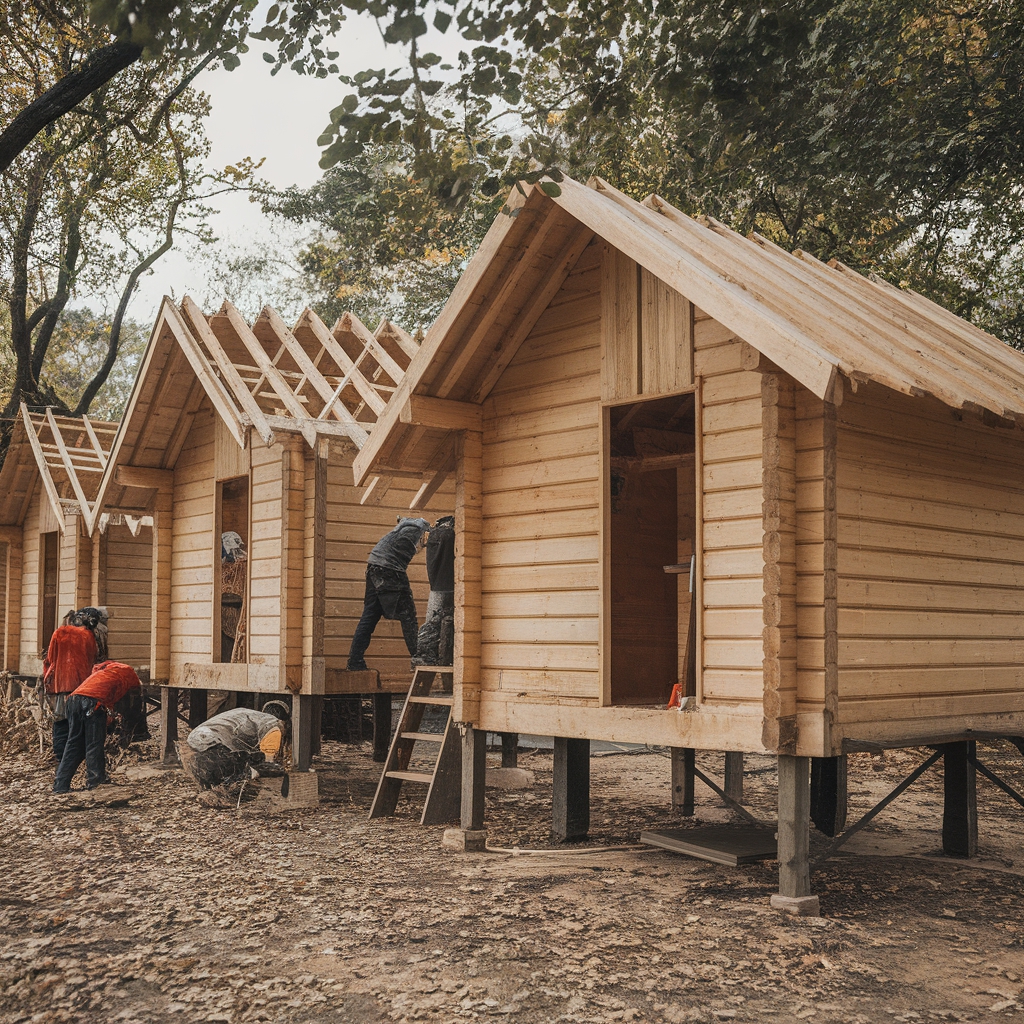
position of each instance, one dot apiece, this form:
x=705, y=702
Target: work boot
x=358, y=666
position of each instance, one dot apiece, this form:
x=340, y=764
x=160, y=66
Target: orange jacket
x=109, y=682
x=69, y=658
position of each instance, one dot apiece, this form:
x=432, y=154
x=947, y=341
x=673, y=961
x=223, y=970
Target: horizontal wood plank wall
x=732, y=618
x=193, y=546
x=14, y=553
x=352, y=531
x=930, y=564
x=128, y=598
x=70, y=552
x=266, y=514
x=810, y=553
x=541, y=552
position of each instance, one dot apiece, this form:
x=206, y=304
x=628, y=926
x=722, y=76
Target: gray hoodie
x=395, y=550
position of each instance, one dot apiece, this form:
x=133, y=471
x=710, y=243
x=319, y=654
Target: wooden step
x=427, y=777
x=426, y=737
x=443, y=701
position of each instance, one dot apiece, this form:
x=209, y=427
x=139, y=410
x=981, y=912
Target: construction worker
x=69, y=659
x=436, y=637
x=226, y=746
x=87, y=709
x=388, y=594
x=95, y=619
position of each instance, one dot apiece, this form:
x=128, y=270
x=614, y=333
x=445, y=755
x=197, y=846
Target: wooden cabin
x=60, y=552
x=250, y=430
x=618, y=389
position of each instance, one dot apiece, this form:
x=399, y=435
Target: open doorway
x=49, y=566
x=232, y=581
x=652, y=526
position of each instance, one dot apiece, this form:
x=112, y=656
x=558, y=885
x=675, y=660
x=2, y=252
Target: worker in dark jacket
x=388, y=594
x=436, y=637
x=87, y=723
x=69, y=659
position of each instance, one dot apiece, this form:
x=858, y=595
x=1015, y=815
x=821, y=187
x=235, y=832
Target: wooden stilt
x=509, y=750
x=734, y=775
x=381, y=726
x=318, y=723
x=571, y=797
x=960, y=806
x=794, y=893
x=828, y=794
x=302, y=732
x=196, y=708
x=683, y=759
x=168, y=724
x=474, y=778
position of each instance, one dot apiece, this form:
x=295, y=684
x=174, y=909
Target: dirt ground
x=167, y=911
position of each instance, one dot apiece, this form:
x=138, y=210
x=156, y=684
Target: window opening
x=652, y=523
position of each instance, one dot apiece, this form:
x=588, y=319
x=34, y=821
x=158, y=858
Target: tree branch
x=98, y=69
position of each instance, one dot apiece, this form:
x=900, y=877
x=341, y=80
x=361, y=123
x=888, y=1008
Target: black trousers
x=87, y=733
x=388, y=595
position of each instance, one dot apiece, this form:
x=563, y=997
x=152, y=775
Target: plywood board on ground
x=722, y=844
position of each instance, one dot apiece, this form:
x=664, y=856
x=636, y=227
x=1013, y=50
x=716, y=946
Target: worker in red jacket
x=87, y=723
x=68, y=661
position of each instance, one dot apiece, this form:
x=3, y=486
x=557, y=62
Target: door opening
x=49, y=548
x=652, y=523
x=231, y=587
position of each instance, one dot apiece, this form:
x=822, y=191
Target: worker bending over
x=436, y=638
x=226, y=746
x=67, y=663
x=87, y=711
x=388, y=594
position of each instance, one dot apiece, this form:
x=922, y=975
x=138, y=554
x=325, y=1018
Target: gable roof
x=67, y=454
x=818, y=322
x=262, y=379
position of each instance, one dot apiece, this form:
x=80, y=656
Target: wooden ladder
x=444, y=782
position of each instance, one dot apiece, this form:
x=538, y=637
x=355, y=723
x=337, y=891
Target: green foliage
x=881, y=133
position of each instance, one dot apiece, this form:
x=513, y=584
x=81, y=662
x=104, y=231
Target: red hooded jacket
x=69, y=658
x=109, y=682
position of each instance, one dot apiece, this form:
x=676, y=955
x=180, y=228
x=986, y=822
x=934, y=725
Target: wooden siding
x=266, y=515
x=731, y=527
x=930, y=564
x=128, y=593
x=541, y=548
x=38, y=520
x=193, y=546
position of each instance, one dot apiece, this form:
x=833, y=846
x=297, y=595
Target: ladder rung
x=427, y=737
x=411, y=776
x=444, y=701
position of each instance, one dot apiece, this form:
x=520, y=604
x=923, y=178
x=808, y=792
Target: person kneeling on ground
x=226, y=746
x=87, y=711
x=388, y=594
x=68, y=661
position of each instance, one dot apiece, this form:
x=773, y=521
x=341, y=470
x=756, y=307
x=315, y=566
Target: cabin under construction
x=685, y=456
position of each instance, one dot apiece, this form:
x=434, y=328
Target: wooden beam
x=143, y=477
x=374, y=492
x=683, y=763
x=345, y=363
x=212, y=384
x=960, y=800
x=441, y=413
x=794, y=837
x=474, y=774
x=44, y=471
x=445, y=467
x=570, y=790
x=95, y=442
x=312, y=373
x=377, y=350
x=232, y=378
x=405, y=341
x=11, y=534
x=311, y=428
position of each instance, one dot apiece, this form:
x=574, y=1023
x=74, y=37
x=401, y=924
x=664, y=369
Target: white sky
x=279, y=118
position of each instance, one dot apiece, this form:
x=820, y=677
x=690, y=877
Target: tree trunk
x=99, y=68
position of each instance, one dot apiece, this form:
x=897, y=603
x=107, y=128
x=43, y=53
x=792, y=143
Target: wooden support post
x=381, y=725
x=318, y=722
x=960, y=804
x=828, y=794
x=683, y=759
x=168, y=724
x=302, y=732
x=474, y=778
x=509, y=750
x=794, y=895
x=571, y=797
x=734, y=775
x=197, y=707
